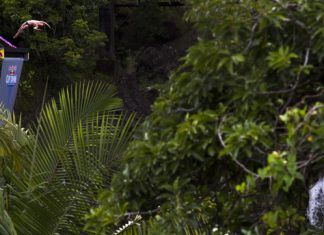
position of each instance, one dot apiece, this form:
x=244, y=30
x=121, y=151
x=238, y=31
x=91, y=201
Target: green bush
x=236, y=139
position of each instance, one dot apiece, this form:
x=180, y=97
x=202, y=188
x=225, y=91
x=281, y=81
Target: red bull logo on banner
x=11, y=77
x=12, y=70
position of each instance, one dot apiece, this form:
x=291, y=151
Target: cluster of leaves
x=236, y=139
x=51, y=174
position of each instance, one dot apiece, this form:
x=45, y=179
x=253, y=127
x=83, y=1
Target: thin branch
x=309, y=113
x=254, y=27
x=219, y=134
x=309, y=161
x=149, y=212
x=245, y=169
x=161, y=4
x=306, y=59
x=259, y=150
x=316, y=96
x=185, y=110
x=287, y=6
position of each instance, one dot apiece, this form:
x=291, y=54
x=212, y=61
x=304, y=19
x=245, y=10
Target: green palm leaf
x=137, y=226
x=71, y=153
x=6, y=224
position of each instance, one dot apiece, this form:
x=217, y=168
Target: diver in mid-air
x=35, y=24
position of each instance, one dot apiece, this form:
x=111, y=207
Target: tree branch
x=149, y=212
x=219, y=134
x=306, y=59
x=185, y=110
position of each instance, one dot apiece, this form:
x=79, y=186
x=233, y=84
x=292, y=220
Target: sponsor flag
x=2, y=54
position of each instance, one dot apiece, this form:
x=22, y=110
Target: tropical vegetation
x=51, y=174
x=232, y=146
x=235, y=140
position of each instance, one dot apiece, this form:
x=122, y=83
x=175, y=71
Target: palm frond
x=141, y=228
x=72, y=151
x=131, y=227
x=58, y=122
x=137, y=226
x=6, y=225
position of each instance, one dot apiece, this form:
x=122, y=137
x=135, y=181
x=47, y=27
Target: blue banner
x=10, y=76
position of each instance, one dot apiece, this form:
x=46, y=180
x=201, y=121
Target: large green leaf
x=6, y=224
x=71, y=153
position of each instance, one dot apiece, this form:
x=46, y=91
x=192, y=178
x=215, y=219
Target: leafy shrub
x=236, y=139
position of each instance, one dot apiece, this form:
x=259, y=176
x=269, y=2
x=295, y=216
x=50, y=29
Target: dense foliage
x=51, y=174
x=236, y=139
x=232, y=146
x=65, y=53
